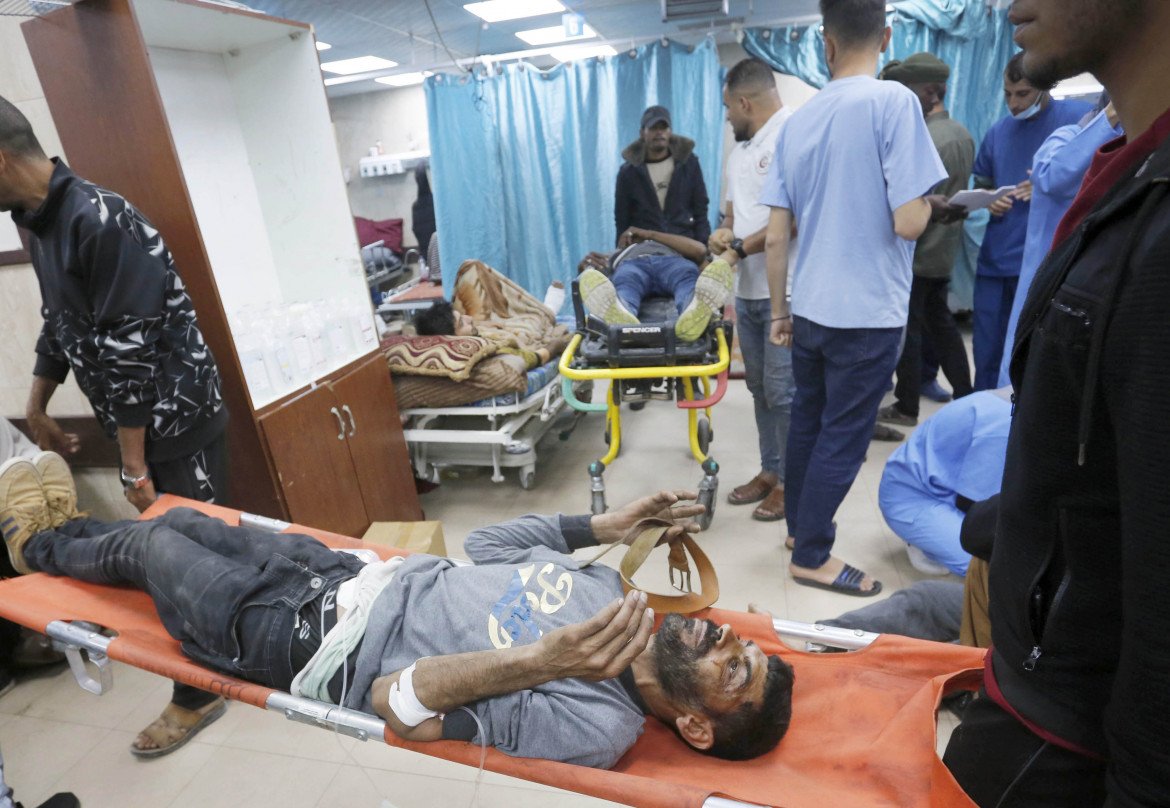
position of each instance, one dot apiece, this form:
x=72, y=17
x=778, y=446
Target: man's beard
x=741, y=133
x=677, y=662
x=1094, y=29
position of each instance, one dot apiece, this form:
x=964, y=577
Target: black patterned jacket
x=117, y=313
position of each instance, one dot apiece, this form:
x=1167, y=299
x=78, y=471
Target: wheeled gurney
x=644, y=362
x=862, y=733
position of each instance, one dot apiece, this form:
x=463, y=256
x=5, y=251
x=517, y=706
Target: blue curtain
x=975, y=41
x=524, y=162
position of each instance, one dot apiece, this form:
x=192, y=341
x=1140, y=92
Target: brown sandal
x=176, y=726
x=752, y=491
x=772, y=508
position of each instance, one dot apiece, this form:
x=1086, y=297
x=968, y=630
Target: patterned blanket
x=506, y=314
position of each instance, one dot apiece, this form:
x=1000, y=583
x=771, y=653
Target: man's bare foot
x=174, y=728
x=755, y=608
x=827, y=574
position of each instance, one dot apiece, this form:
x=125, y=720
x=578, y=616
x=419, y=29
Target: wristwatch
x=129, y=482
x=737, y=245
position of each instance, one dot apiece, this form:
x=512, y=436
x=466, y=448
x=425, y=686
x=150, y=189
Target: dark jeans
x=993, y=310
x=841, y=375
x=926, y=610
x=1000, y=763
x=201, y=475
x=655, y=276
x=930, y=315
x=230, y=595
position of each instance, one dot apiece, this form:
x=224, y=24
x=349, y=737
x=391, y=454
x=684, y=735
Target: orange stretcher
x=862, y=733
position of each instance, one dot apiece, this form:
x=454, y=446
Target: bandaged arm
x=596, y=649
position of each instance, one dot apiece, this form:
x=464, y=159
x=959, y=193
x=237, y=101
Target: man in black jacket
x=660, y=186
x=1076, y=708
x=117, y=314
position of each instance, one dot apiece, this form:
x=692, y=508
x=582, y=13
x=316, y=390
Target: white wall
x=397, y=117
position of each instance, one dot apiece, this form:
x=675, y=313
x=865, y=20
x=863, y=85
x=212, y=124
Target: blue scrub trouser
x=925, y=520
x=841, y=375
x=656, y=276
x=767, y=370
x=993, y=309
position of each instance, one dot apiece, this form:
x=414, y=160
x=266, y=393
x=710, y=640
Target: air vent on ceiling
x=692, y=9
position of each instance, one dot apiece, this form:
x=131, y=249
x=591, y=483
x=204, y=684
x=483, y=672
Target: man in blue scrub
x=1005, y=158
x=852, y=167
x=1057, y=172
x=955, y=458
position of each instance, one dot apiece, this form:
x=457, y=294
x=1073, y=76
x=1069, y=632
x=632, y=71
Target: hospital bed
x=862, y=733
x=498, y=432
x=645, y=362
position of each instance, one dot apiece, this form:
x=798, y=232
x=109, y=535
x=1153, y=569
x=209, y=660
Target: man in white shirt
x=756, y=114
x=852, y=169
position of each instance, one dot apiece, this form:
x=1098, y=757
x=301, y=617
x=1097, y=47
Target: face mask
x=1032, y=111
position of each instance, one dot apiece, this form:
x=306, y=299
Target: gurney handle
x=320, y=714
x=77, y=637
x=847, y=638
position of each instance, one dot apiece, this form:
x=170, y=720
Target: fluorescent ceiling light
x=362, y=64
x=500, y=10
x=552, y=35
x=404, y=79
x=345, y=80
x=323, y=45
x=569, y=53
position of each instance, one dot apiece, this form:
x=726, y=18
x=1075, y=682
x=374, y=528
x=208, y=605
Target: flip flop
x=170, y=735
x=847, y=583
x=888, y=434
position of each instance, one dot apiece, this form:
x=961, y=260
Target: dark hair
x=750, y=731
x=438, y=319
x=750, y=75
x=16, y=133
x=1015, y=72
x=854, y=22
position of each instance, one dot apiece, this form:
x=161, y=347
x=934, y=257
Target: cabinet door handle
x=352, y=423
x=340, y=423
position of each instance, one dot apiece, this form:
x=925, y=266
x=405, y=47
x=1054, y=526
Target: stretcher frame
x=699, y=429
x=946, y=667
x=512, y=434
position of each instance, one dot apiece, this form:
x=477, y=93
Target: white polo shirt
x=747, y=167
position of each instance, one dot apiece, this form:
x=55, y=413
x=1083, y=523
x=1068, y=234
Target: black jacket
x=635, y=201
x=1080, y=570
x=117, y=313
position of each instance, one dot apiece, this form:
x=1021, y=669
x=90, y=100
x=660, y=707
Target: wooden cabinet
x=213, y=121
x=341, y=456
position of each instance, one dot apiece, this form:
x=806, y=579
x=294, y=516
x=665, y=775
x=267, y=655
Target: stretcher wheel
x=705, y=434
x=706, y=499
x=527, y=478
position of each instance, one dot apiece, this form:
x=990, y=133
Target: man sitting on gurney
x=648, y=263
x=551, y=659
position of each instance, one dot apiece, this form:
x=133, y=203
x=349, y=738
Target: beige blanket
x=505, y=313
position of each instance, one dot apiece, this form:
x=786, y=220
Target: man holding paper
x=1005, y=158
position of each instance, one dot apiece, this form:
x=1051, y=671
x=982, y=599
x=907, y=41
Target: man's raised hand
x=720, y=240
x=672, y=505
x=602, y=646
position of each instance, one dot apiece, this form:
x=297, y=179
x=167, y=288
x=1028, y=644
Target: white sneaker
x=920, y=561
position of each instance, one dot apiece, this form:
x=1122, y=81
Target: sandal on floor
x=847, y=583
x=170, y=733
x=887, y=433
x=752, y=491
x=772, y=508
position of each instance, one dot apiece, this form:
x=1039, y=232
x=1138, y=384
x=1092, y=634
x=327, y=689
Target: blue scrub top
x=958, y=450
x=1005, y=158
x=1057, y=172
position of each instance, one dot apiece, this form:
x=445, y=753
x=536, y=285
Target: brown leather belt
x=644, y=536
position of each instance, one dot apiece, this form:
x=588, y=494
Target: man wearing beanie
x=926, y=76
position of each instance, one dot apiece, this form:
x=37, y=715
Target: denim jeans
x=768, y=373
x=230, y=595
x=656, y=276
x=841, y=375
x=926, y=610
x=993, y=309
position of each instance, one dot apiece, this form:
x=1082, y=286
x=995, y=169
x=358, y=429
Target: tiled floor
x=56, y=737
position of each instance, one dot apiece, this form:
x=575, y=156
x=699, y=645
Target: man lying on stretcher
x=554, y=662
x=651, y=264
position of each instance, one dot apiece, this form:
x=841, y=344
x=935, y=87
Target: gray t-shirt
x=660, y=174
x=523, y=584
